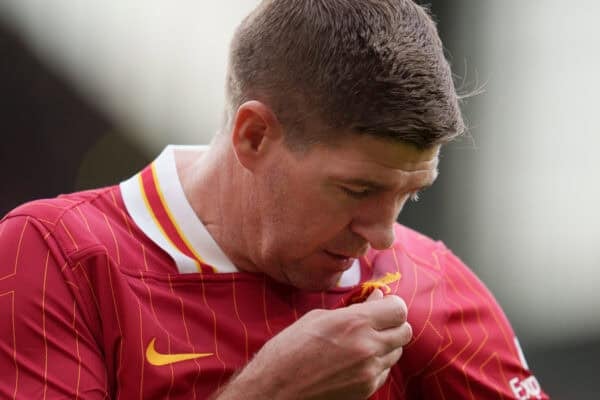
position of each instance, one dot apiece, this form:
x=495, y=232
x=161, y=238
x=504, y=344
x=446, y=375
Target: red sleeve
x=480, y=357
x=46, y=348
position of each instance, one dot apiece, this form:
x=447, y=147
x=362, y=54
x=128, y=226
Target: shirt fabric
x=122, y=293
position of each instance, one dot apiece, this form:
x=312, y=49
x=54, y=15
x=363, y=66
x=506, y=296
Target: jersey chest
x=189, y=334
x=186, y=334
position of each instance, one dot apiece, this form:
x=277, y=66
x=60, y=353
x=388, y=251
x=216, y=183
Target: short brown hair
x=370, y=66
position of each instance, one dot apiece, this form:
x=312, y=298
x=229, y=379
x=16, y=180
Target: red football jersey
x=122, y=293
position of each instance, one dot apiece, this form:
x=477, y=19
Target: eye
x=357, y=193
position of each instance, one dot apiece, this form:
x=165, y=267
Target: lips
x=350, y=253
x=340, y=262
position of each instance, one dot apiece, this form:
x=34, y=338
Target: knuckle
x=399, y=300
x=357, y=324
x=396, y=356
x=400, y=308
x=369, y=379
x=372, y=375
x=408, y=332
x=371, y=387
x=382, y=378
x=366, y=352
x=390, y=359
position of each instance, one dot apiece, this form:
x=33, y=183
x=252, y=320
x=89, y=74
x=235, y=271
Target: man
x=268, y=265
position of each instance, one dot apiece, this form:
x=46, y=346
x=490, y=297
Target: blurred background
x=90, y=91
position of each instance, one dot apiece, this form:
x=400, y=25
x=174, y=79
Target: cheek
x=322, y=219
x=303, y=212
x=310, y=219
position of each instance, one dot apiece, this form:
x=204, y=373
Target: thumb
x=376, y=294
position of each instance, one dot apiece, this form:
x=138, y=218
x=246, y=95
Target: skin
x=302, y=218
x=342, y=354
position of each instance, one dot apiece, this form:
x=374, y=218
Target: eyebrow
x=373, y=185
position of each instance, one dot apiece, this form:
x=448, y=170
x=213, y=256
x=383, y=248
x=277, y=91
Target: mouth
x=341, y=261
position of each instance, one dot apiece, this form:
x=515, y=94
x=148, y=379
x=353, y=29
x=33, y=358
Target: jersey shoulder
x=417, y=245
x=410, y=249
x=51, y=210
x=71, y=221
x=427, y=253
x=427, y=266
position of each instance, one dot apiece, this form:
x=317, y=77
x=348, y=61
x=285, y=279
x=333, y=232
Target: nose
x=376, y=226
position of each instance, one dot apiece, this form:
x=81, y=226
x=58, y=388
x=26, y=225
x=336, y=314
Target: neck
x=214, y=184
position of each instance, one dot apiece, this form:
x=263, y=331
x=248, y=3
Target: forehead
x=380, y=161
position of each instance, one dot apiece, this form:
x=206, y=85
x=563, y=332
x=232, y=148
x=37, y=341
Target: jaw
x=319, y=284
x=311, y=274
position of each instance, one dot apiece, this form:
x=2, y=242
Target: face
x=322, y=209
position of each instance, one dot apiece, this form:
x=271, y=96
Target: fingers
x=386, y=363
x=384, y=313
x=376, y=294
x=382, y=377
x=390, y=359
x=396, y=337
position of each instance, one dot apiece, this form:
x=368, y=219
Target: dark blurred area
x=50, y=136
x=54, y=141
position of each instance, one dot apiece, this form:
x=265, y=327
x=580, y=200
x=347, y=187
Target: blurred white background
x=536, y=193
x=157, y=66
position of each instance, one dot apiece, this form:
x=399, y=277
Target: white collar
x=155, y=200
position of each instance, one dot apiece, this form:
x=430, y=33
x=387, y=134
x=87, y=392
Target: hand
x=345, y=354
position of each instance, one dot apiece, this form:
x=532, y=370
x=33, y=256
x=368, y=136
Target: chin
x=315, y=284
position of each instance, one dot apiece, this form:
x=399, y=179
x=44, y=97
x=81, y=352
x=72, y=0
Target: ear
x=255, y=129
